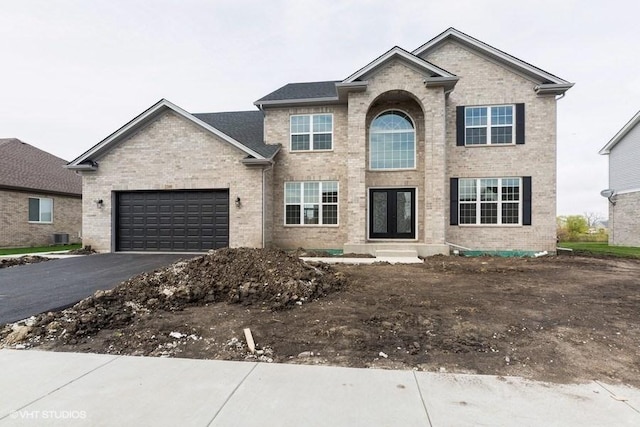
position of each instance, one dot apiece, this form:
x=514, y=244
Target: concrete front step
x=396, y=253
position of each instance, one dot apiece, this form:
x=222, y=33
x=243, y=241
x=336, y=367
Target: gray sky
x=73, y=72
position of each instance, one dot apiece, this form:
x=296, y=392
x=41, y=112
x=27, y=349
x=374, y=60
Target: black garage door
x=190, y=221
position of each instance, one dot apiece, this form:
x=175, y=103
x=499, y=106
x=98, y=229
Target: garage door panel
x=172, y=220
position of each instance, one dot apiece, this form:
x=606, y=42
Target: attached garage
x=166, y=221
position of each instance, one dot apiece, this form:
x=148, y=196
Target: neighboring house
x=624, y=181
x=39, y=197
x=453, y=143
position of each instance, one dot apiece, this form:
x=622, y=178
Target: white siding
x=624, y=162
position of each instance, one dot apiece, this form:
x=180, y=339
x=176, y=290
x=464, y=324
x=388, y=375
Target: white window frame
x=40, y=220
x=415, y=135
x=320, y=204
x=311, y=133
x=490, y=126
x=499, y=202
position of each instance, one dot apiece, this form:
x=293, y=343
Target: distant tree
x=592, y=218
x=576, y=225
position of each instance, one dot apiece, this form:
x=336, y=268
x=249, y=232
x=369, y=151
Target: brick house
x=38, y=197
x=624, y=184
x=453, y=143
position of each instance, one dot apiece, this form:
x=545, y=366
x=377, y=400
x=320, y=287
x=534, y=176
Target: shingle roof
x=310, y=90
x=246, y=127
x=24, y=166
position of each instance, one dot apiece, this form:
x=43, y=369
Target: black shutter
x=460, y=126
x=526, y=200
x=519, y=123
x=453, y=201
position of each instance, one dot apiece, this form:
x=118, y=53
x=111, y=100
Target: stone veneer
x=16, y=230
x=624, y=225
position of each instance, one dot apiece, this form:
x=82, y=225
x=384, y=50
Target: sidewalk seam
x=424, y=404
x=231, y=394
x=62, y=386
x=611, y=394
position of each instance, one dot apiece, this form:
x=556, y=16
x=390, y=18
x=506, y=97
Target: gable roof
x=248, y=140
x=334, y=91
x=429, y=69
x=548, y=83
x=621, y=134
x=25, y=167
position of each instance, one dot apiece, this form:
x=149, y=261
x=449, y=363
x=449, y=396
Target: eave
x=621, y=134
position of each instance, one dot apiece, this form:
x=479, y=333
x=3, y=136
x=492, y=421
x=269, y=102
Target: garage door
x=191, y=221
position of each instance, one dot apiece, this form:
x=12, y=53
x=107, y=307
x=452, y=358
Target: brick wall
x=17, y=231
x=624, y=224
x=171, y=153
x=483, y=82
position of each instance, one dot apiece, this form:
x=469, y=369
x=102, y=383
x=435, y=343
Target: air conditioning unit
x=61, y=238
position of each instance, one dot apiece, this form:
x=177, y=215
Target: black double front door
x=392, y=213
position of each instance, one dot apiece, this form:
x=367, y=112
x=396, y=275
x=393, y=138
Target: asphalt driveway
x=32, y=289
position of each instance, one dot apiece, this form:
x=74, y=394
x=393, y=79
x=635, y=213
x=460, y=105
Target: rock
x=19, y=334
x=176, y=335
x=306, y=354
x=383, y=354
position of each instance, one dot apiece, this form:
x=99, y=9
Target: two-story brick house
x=453, y=143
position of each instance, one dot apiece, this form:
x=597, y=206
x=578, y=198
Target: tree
x=576, y=224
x=592, y=218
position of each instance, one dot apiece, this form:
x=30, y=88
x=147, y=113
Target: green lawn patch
x=34, y=249
x=600, y=248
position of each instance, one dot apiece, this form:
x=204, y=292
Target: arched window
x=392, y=141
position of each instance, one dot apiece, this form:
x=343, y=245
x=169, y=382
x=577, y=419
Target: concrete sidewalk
x=46, y=388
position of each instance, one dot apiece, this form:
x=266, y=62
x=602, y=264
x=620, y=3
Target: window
x=392, y=142
x=311, y=203
x=489, y=201
x=489, y=125
x=40, y=210
x=311, y=132
x=493, y=125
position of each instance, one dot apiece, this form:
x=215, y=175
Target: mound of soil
x=269, y=278
x=27, y=259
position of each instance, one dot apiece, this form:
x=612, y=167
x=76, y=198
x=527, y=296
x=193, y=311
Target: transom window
x=489, y=200
x=489, y=125
x=311, y=203
x=392, y=142
x=40, y=210
x=311, y=132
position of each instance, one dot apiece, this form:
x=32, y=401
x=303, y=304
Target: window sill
x=489, y=225
x=310, y=151
x=392, y=170
x=40, y=222
x=510, y=144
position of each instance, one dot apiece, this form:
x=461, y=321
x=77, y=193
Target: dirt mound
x=27, y=259
x=269, y=278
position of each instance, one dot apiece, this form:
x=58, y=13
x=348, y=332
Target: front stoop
x=396, y=249
x=397, y=253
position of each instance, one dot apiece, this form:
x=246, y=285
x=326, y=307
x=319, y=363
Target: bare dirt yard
x=558, y=319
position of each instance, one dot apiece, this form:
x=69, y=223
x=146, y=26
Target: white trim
x=632, y=190
x=155, y=109
x=301, y=204
x=40, y=210
x=621, y=134
x=452, y=33
x=399, y=52
x=415, y=143
x=310, y=133
x=415, y=218
x=490, y=125
x=478, y=203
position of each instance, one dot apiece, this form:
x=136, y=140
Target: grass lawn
x=57, y=248
x=601, y=248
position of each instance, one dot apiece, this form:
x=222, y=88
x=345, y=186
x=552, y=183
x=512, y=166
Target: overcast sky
x=73, y=72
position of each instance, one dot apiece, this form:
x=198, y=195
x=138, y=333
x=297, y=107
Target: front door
x=392, y=213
